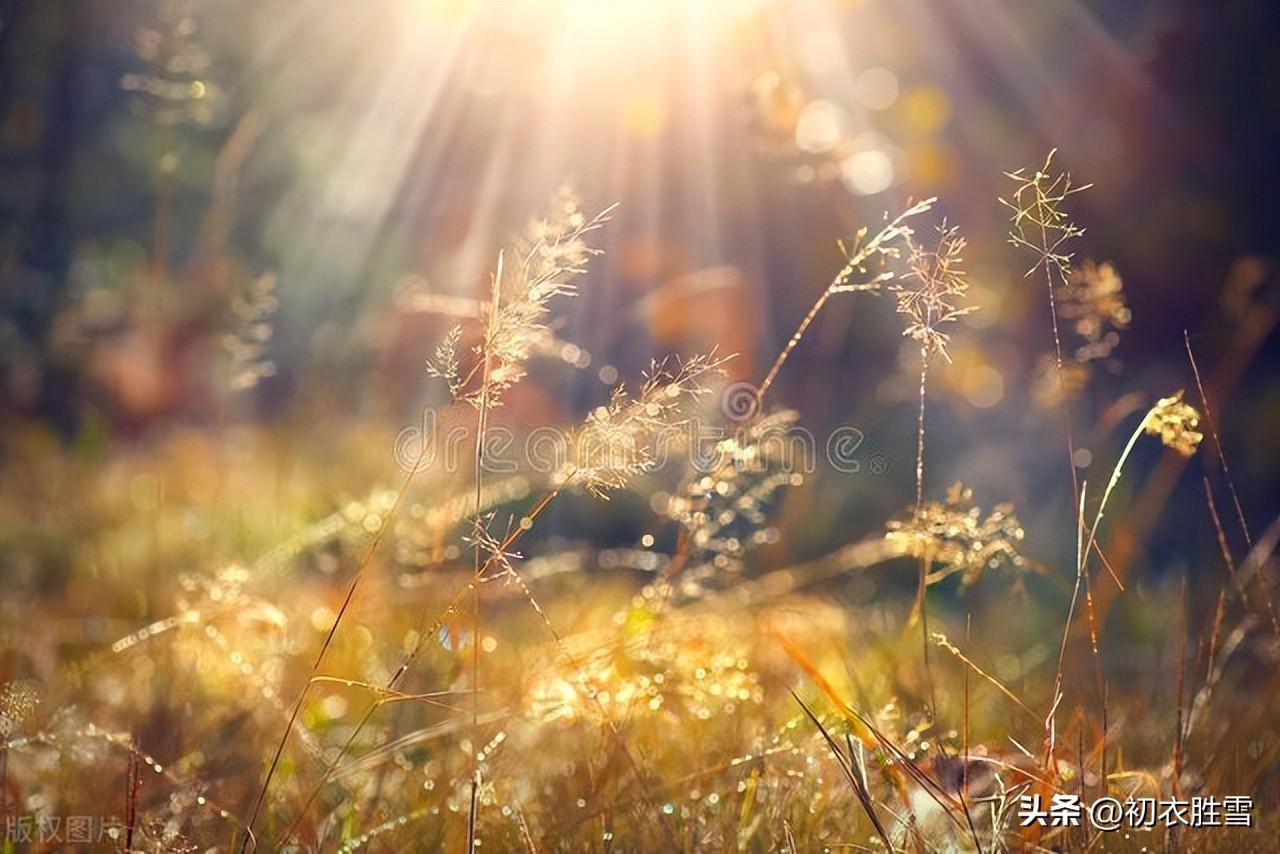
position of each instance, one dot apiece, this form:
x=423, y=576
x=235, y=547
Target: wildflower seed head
x=1093, y=297
x=1039, y=222
x=929, y=293
x=444, y=364
x=955, y=536
x=866, y=259
x=537, y=267
x=1175, y=423
x=623, y=438
x=723, y=508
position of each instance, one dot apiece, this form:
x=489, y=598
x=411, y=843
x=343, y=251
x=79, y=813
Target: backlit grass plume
x=1040, y=223
x=866, y=269
x=723, y=507
x=1174, y=422
x=1093, y=299
x=539, y=266
x=928, y=295
x=956, y=537
x=930, y=292
x=624, y=437
x=246, y=343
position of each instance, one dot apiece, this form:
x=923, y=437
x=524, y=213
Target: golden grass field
x=699, y=600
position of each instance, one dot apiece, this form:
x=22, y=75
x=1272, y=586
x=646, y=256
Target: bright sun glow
x=633, y=24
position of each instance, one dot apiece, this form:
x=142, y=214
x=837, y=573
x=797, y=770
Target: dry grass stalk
x=1217, y=442
x=864, y=270
x=538, y=267
x=927, y=296
x=366, y=560
x=1041, y=225
x=941, y=640
x=848, y=765
x=553, y=252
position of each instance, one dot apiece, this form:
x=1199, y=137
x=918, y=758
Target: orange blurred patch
x=705, y=309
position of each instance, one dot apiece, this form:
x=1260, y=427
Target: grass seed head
x=1039, y=222
x=954, y=535
x=624, y=437
x=1174, y=423
x=1093, y=297
x=928, y=294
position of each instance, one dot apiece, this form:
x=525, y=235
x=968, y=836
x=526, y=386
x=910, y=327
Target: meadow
x=924, y=540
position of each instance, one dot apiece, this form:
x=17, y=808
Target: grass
x=391, y=672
